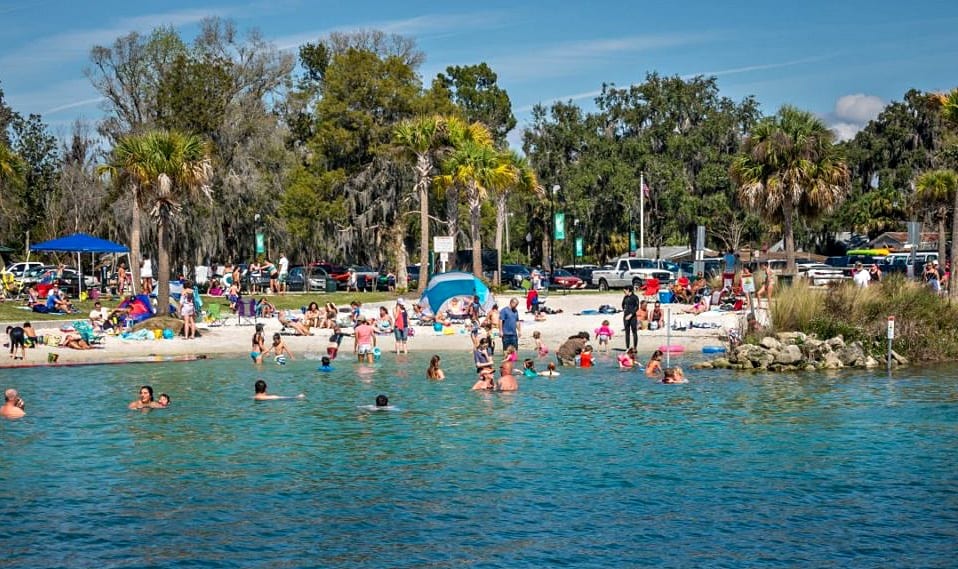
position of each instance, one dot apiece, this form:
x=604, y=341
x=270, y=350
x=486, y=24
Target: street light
x=575, y=241
x=552, y=235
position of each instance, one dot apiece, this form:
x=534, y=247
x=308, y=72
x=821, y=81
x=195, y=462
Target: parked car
x=515, y=274
x=18, y=269
x=298, y=275
x=819, y=274
x=562, y=278
x=584, y=272
x=631, y=271
x=898, y=262
x=338, y=273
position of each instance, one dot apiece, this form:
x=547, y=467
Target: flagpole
x=642, y=214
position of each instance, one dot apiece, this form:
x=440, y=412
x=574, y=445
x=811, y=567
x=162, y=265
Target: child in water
x=585, y=358
x=541, y=348
x=604, y=333
x=324, y=364
x=551, y=371
x=674, y=375
x=510, y=355
x=655, y=364
x=628, y=361
x=279, y=349
x=163, y=400
x=529, y=368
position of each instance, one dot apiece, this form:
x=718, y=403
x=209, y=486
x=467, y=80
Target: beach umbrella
x=80, y=243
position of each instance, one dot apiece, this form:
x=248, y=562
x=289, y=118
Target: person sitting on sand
x=384, y=324
x=657, y=318
x=700, y=287
x=279, y=348
x=550, y=371
x=146, y=399
x=12, y=406
x=655, y=364
x=674, y=375
x=261, y=395
x=701, y=305
x=312, y=316
x=301, y=329
x=56, y=302
x=74, y=342
x=434, y=371
x=682, y=290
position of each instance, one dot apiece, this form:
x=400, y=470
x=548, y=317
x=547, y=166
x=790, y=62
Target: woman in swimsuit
x=188, y=313
x=259, y=345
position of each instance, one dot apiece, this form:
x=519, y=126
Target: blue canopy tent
x=445, y=287
x=80, y=243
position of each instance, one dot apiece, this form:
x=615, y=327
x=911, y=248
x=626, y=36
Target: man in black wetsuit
x=17, y=340
x=630, y=305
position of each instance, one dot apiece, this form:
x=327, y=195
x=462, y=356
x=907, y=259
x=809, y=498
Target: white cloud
x=852, y=113
x=858, y=108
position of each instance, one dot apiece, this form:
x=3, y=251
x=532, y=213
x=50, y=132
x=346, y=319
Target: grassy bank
x=925, y=324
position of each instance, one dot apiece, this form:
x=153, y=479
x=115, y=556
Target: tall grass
x=926, y=325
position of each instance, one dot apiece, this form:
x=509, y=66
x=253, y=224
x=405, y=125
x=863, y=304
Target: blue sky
x=841, y=60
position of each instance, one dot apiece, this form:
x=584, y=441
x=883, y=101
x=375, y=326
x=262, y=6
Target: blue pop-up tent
x=80, y=243
x=446, y=286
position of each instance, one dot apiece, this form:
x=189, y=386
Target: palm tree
x=948, y=104
x=182, y=168
x=936, y=190
x=790, y=167
x=421, y=138
x=480, y=169
x=130, y=166
x=460, y=132
x=525, y=182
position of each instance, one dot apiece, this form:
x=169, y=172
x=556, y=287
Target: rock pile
x=795, y=351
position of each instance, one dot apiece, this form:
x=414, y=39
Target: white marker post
x=891, y=337
x=668, y=336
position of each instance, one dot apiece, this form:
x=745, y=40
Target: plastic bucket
x=52, y=358
x=158, y=334
x=437, y=327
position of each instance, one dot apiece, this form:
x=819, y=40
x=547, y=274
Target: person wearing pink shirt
x=364, y=340
x=604, y=333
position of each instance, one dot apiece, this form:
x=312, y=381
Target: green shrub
x=925, y=327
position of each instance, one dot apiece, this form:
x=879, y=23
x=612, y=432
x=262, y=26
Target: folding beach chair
x=86, y=331
x=214, y=315
x=246, y=309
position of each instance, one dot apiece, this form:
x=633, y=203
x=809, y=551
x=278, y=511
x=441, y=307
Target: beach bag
x=410, y=332
x=52, y=340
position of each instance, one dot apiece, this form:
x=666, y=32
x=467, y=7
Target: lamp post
x=552, y=235
x=575, y=241
x=257, y=236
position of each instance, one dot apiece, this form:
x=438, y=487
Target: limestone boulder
x=836, y=343
x=898, y=358
x=852, y=355
x=770, y=343
x=832, y=361
x=788, y=355
x=791, y=337
x=871, y=363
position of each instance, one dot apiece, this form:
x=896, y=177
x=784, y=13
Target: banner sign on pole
x=560, y=226
x=260, y=244
x=632, y=244
x=579, y=242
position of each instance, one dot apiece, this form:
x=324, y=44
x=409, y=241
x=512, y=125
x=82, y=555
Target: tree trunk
x=952, y=288
x=475, y=208
x=135, y=255
x=789, y=236
x=424, y=166
x=452, y=217
x=500, y=221
x=942, y=213
x=399, y=234
x=163, y=268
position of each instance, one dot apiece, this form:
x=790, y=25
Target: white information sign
x=444, y=244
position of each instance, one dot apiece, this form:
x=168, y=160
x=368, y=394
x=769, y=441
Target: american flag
x=645, y=189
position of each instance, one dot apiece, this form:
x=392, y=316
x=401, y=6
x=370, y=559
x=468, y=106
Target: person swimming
x=655, y=364
x=146, y=399
x=163, y=400
x=550, y=371
x=260, y=394
x=674, y=375
x=529, y=368
x=325, y=364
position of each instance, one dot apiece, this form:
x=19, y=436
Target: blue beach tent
x=80, y=243
x=446, y=286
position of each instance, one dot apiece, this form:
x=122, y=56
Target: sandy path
x=233, y=340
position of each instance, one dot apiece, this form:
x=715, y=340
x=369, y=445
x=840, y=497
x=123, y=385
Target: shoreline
x=231, y=340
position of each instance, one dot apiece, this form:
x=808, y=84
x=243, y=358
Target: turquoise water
x=594, y=469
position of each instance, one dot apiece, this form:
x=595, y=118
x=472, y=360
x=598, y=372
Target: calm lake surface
x=597, y=468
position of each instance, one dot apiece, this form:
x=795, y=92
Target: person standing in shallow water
x=509, y=327
x=13, y=406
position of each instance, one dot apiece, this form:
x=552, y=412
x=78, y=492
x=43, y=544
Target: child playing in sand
x=541, y=348
x=604, y=333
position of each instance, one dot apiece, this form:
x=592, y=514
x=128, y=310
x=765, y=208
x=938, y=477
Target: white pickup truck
x=630, y=271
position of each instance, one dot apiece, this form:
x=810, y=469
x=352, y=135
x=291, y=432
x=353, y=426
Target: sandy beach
x=232, y=340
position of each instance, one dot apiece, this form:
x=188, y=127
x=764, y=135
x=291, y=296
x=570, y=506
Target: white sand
x=233, y=340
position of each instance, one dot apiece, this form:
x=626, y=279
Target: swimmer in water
x=324, y=364
x=12, y=406
x=507, y=381
x=550, y=371
x=627, y=360
x=529, y=368
x=674, y=375
x=382, y=401
x=434, y=371
x=261, y=395
x=146, y=399
x=655, y=364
